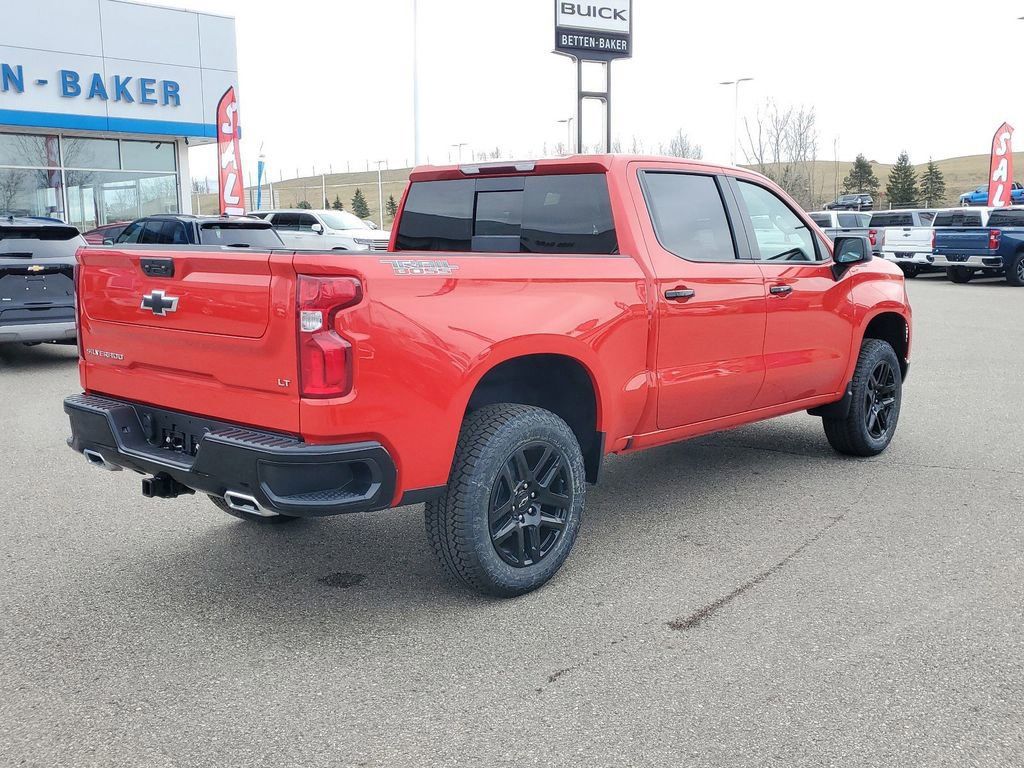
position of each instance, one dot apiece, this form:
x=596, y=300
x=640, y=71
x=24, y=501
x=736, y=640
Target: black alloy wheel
x=530, y=503
x=880, y=400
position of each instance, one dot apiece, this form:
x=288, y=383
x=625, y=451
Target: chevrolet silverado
x=529, y=319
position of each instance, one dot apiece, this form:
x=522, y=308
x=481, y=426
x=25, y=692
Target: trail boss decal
x=420, y=266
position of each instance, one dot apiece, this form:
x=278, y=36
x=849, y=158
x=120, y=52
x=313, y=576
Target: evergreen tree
x=392, y=207
x=359, y=206
x=337, y=204
x=304, y=204
x=902, y=187
x=933, y=185
x=861, y=177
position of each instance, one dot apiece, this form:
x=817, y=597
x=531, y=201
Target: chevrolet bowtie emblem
x=159, y=303
x=36, y=268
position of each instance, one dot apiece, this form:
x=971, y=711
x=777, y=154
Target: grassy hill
x=961, y=173
x=290, y=192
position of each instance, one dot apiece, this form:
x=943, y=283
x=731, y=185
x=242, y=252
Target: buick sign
x=599, y=31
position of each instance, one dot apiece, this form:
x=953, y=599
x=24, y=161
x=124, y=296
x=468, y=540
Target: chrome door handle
x=680, y=293
x=781, y=290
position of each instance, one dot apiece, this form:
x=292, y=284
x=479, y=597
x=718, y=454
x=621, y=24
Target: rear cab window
x=542, y=214
x=39, y=242
x=852, y=219
x=823, y=220
x=957, y=219
x=1006, y=218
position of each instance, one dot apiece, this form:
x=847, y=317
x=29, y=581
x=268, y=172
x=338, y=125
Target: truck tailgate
x=907, y=239
x=192, y=330
x=962, y=240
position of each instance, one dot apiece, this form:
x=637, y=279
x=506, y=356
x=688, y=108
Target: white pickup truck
x=906, y=238
x=847, y=224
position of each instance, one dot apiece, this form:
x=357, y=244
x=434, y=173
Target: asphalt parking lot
x=746, y=599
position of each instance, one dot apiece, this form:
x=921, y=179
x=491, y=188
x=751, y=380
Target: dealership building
x=99, y=102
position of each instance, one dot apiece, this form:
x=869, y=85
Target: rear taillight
x=873, y=237
x=325, y=358
x=933, y=241
x=993, y=239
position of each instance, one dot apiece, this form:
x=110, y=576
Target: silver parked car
x=319, y=230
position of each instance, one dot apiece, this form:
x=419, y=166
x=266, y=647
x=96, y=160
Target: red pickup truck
x=529, y=319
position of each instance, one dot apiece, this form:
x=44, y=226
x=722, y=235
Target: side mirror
x=849, y=250
x=318, y=228
x=107, y=241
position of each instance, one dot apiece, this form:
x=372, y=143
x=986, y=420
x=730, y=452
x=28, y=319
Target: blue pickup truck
x=979, y=196
x=987, y=249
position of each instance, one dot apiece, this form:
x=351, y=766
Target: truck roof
x=557, y=165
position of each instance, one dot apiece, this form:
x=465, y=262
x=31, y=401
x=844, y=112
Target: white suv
x=304, y=229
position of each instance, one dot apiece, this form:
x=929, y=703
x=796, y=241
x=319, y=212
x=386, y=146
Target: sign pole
x=594, y=34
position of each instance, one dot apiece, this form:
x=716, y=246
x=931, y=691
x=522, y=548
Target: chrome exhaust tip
x=242, y=502
x=95, y=458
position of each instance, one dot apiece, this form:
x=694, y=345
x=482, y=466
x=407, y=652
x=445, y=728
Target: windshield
x=240, y=235
x=342, y=220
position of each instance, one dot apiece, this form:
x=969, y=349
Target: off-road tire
x=959, y=275
x=459, y=523
x=249, y=517
x=852, y=435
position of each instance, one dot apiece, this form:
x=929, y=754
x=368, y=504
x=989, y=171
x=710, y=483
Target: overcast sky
x=330, y=81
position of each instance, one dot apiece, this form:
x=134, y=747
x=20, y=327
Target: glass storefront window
x=147, y=156
x=90, y=153
x=31, y=192
x=98, y=190
x=28, y=150
x=107, y=197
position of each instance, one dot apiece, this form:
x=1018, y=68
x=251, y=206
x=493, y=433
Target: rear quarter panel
x=423, y=341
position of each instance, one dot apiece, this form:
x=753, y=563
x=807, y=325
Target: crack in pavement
x=708, y=610
x=703, y=614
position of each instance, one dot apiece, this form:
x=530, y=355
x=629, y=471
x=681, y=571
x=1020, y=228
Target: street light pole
x=568, y=131
x=735, y=110
x=417, y=151
x=380, y=194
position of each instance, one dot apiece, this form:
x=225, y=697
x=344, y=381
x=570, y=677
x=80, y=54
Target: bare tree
x=681, y=146
x=783, y=145
x=617, y=146
x=636, y=145
x=10, y=185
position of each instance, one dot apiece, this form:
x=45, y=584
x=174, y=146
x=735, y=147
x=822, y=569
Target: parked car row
x=964, y=242
x=297, y=228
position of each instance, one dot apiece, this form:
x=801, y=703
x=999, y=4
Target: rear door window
x=152, y=233
x=849, y=219
x=568, y=214
x=286, y=221
x=688, y=215
x=823, y=220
